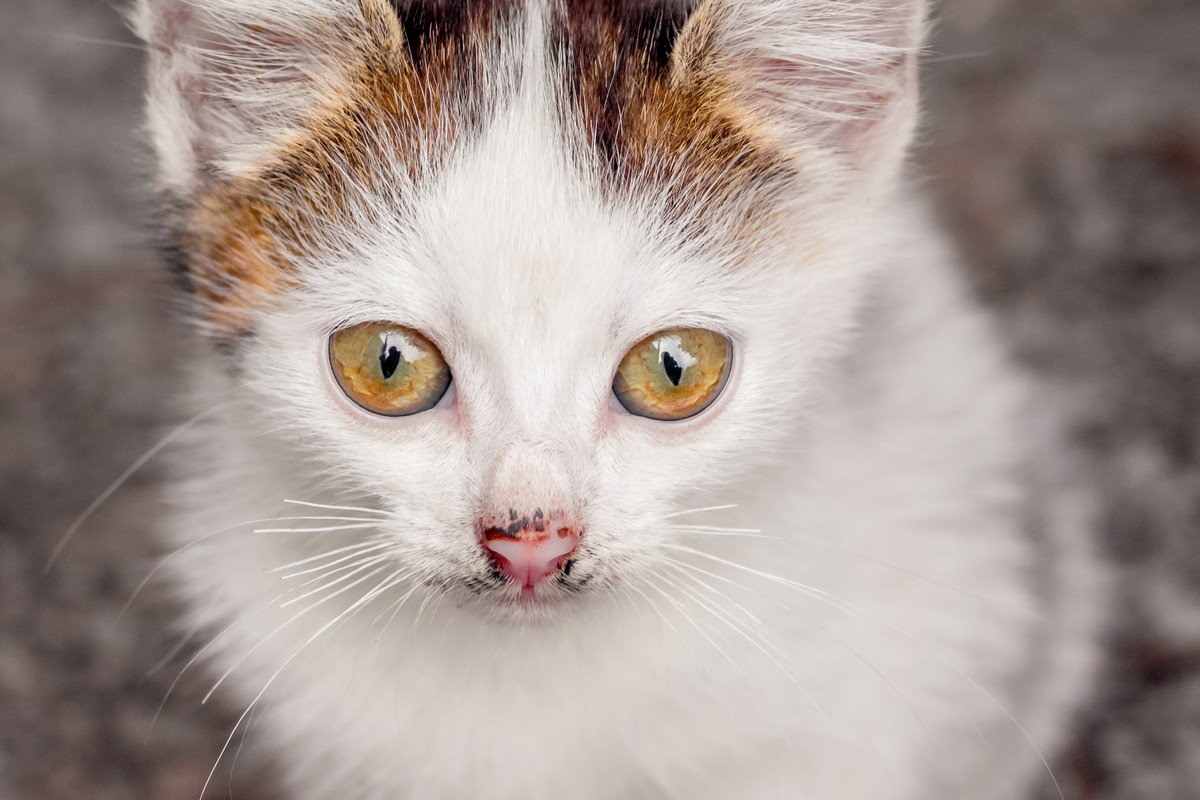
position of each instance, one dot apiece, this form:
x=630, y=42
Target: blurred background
x=1062, y=149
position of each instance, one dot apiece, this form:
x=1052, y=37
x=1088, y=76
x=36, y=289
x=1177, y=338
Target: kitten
x=590, y=410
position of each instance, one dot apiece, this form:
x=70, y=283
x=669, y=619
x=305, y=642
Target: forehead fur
x=657, y=121
x=647, y=123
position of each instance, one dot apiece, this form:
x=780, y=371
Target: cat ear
x=840, y=74
x=232, y=79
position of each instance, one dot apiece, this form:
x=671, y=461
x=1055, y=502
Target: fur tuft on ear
x=840, y=74
x=232, y=79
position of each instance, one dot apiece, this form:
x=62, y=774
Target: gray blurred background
x=1063, y=150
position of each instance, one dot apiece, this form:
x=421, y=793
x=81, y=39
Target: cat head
x=536, y=277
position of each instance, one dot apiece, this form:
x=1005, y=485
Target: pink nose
x=529, y=549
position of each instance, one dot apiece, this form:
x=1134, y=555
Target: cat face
x=533, y=320
x=532, y=195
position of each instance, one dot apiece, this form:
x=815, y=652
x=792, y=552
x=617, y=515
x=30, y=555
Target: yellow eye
x=388, y=369
x=674, y=374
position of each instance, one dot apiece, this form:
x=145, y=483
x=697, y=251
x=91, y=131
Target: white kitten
x=650, y=444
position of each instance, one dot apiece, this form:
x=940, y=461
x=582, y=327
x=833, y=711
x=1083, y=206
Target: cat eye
x=388, y=369
x=673, y=374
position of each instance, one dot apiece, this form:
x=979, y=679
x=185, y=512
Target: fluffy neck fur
x=887, y=606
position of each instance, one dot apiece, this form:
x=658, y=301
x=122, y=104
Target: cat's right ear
x=232, y=80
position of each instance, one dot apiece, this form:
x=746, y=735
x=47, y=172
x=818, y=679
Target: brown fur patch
x=419, y=78
x=661, y=122
x=413, y=86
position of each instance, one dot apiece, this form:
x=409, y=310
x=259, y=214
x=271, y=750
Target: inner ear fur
x=837, y=74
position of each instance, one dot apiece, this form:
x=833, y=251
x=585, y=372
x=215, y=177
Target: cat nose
x=530, y=548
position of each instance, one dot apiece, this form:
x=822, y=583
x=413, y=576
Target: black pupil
x=389, y=359
x=672, y=368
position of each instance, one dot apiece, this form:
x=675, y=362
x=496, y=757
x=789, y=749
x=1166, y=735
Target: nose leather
x=531, y=555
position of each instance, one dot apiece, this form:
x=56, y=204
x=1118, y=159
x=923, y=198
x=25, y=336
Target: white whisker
x=346, y=553
x=349, y=570
x=748, y=532
x=129, y=472
x=686, y=642
x=285, y=624
x=699, y=510
x=754, y=534
x=760, y=643
x=329, y=529
x=199, y=654
x=926, y=650
x=395, y=608
x=703, y=633
x=311, y=504
x=175, y=650
x=812, y=591
x=162, y=562
x=253, y=703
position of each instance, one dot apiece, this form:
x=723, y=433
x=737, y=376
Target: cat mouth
x=501, y=591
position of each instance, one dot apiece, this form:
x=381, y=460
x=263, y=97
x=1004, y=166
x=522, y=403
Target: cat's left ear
x=834, y=74
x=231, y=80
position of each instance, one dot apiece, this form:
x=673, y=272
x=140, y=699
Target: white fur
x=872, y=424
x=221, y=93
x=841, y=73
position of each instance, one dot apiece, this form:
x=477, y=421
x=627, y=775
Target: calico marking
x=634, y=90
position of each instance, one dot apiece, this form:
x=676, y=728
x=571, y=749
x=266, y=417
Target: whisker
x=750, y=533
x=761, y=644
x=198, y=655
x=812, y=591
x=677, y=566
x=424, y=604
x=121, y=480
x=328, y=529
x=395, y=609
x=352, y=550
x=699, y=510
x=633, y=587
x=237, y=753
x=350, y=570
x=748, y=634
x=926, y=650
x=367, y=598
x=938, y=59
x=723, y=616
x=295, y=617
x=162, y=562
x=716, y=529
x=836, y=603
x=71, y=37
x=991, y=698
x=175, y=650
x=689, y=619
x=311, y=504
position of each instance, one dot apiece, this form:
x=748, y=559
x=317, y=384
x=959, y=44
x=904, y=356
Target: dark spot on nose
x=499, y=533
